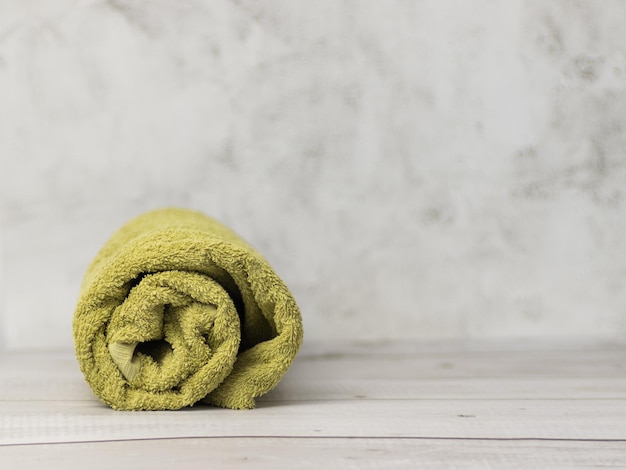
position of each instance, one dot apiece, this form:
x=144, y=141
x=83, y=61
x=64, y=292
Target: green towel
x=176, y=309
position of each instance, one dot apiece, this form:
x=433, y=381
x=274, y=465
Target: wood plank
x=47, y=422
x=456, y=345
x=320, y=389
x=315, y=453
x=572, y=374
x=56, y=377
x=461, y=364
x=454, y=364
x=299, y=389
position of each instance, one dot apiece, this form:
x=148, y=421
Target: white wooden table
x=392, y=405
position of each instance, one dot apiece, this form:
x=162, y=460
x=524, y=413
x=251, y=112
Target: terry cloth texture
x=176, y=309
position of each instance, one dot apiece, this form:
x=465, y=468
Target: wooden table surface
x=498, y=404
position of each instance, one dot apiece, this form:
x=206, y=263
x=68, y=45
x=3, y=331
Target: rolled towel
x=177, y=309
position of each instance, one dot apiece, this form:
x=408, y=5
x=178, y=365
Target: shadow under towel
x=176, y=309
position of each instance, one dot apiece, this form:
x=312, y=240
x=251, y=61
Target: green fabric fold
x=177, y=309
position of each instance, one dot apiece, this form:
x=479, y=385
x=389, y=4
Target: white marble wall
x=410, y=168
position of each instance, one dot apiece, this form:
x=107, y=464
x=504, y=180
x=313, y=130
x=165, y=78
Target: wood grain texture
x=316, y=453
x=49, y=422
x=356, y=406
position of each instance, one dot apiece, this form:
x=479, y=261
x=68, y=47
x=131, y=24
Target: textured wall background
x=410, y=168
